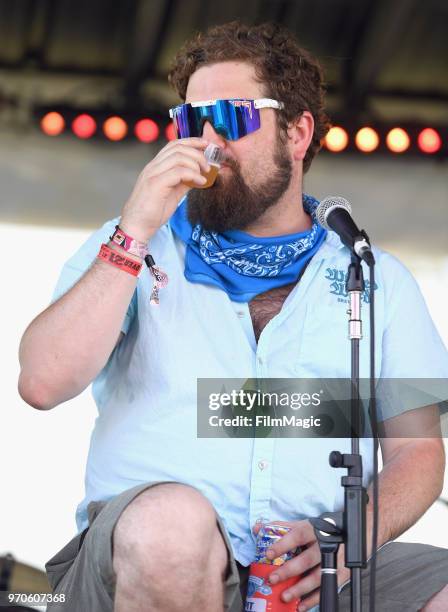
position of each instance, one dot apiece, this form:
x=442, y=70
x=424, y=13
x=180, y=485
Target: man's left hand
x=308, y=588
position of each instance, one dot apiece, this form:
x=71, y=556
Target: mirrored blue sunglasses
x=232, y=118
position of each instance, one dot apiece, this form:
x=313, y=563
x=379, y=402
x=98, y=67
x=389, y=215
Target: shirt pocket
x=325, y=350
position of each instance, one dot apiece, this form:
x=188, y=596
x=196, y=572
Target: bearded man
x=237, y=286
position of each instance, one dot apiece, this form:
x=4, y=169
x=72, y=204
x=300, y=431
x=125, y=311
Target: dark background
x=379, y=55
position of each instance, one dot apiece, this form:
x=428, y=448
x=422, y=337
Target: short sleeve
x=414, y=368
x=412, y=347
x=81, y=261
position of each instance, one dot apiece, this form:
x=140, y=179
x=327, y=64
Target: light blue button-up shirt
x=146, y=394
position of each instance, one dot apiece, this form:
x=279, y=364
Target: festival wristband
x=160, y=279
x=129, y=244
x=119, y=261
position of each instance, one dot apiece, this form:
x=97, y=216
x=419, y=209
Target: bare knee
x=438, y=602
x=168, y=529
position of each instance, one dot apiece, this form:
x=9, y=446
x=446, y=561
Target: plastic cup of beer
x=214, y=156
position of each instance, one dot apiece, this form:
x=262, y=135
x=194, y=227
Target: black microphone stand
x=348, y=526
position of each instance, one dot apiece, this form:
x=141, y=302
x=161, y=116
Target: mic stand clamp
x=348, y=527
x=329, y=533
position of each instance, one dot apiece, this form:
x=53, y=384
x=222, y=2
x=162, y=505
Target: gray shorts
x=408, y=575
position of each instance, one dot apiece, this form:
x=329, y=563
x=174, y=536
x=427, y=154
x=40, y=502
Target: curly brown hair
x=288, y=72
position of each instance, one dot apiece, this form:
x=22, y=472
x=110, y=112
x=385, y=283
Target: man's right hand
x=161, y=186
x=68, y=344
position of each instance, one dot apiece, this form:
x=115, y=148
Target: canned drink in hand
x=268, y=535
x=261, y=595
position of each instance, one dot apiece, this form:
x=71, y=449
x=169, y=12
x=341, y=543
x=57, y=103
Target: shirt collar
x=331, y=246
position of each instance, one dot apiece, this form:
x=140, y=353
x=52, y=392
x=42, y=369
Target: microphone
x=334, y=213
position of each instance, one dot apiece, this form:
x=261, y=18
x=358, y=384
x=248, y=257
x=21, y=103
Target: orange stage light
x=146, y=130
x=336, y=140
x=115, y=128
x=170, y=132
x=398, y=140
x=429, y=141
x=367, y=139
x=52, y=124
x=84, y=126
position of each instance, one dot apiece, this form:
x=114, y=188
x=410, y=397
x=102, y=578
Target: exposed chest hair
x=266, y=305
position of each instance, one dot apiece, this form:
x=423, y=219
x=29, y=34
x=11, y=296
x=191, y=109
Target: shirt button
x=240, y=314
x=263, y=465
x=260, y=360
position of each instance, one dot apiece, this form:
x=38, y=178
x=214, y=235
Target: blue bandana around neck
x=243, y=265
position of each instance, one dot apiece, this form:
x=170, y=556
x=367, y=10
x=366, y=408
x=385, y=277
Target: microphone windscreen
x=327, y=205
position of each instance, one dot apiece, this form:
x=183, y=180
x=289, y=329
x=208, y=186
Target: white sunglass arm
x=267, y=103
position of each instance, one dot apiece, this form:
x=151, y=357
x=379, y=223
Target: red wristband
x=119, y=261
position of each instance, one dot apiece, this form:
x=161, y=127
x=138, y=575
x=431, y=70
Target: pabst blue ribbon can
x=261, y=595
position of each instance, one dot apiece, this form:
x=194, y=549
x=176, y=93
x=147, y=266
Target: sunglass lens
x=232, y=119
